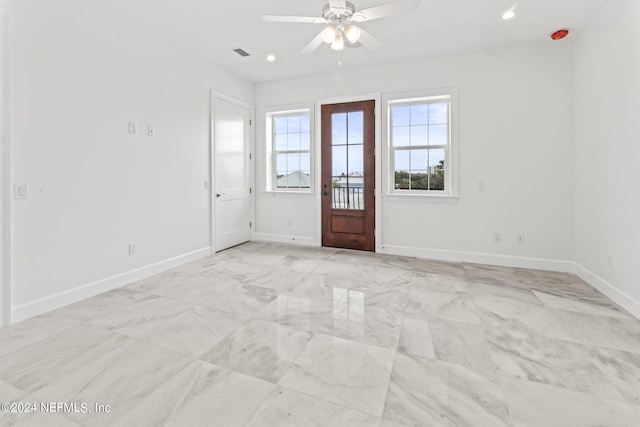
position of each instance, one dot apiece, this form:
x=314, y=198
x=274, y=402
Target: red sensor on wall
x=559, y=35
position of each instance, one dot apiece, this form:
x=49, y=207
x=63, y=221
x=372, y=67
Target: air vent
x=241, y=52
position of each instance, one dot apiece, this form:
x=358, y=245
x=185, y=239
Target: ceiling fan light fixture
x=353, y=33
x=329, y=34
x=337, y=43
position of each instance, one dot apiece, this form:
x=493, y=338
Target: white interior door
x=231, y=173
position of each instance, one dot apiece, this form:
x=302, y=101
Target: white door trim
x=5, y=176
x=377, y=97
x=251, y=163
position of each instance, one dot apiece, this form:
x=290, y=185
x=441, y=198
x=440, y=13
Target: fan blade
x=338, y=4
x=389, y=9
x=317, y=41
x=294, y=19
x=369, y=41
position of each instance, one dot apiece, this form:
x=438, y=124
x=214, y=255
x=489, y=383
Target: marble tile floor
x=280, y=335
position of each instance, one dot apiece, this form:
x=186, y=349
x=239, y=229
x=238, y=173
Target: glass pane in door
x=348, y=160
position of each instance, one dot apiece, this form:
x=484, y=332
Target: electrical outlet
x=151, y=131
x=133, y=128
x=480, y=185
x=133, y=249
x=521, y=239
x=497, y=237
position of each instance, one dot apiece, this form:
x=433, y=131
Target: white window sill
x=299, y=194
x=430, y=198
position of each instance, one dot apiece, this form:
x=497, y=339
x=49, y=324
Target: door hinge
x=250, y=224
x=250, y=122
x=250, y=156
x=250, y=190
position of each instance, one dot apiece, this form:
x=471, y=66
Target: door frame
x=377, y=97
x=250, y=163
x=5, y=176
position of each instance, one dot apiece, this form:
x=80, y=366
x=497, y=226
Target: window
x=420, y=145
x=290, y=140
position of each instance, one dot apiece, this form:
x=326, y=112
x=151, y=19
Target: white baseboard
x=52, y=302
x=480, y=258
x=625, y=301
x=281, y=238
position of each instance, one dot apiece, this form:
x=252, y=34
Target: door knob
x=219, y=194
x=324, y=193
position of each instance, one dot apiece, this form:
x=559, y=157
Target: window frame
x=271, y=153
x=450, y=149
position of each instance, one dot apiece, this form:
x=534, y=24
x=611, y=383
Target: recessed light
x=271, y=58
x=509, y=14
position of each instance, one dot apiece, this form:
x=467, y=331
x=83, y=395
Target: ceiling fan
x=341, y=17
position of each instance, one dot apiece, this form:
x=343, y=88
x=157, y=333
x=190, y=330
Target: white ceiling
x=213, y=28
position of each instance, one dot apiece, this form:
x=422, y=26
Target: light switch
x=21, y=191
x=133, y=129
x=151, y=131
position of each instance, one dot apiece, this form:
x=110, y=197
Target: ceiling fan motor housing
x=334, y=14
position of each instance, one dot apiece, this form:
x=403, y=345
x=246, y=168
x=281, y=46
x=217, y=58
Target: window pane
x=436, y=169
x=401, y=159
x=356, y=127
x=438, y=113
x=400, y=115
x=356, y=160
x=305, y=123
x=419, y=181
x=281, y=165
x=339, y=194
x=305, y=141
x=293, y=162
x=400, y=136
x=281, y=125
x=401, y=180
x=305, y=163
x=293, y=124
x=419, y=135
x=419, y=159
x=339, y=160
x=436, y=158
x=339, y=128
x=419, y=114
x=355, y=193
x=281, y=142
x=294, y=141
x=438, y=135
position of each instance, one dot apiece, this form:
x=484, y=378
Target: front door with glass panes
x=348, y=175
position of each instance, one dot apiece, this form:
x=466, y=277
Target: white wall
x=4, y=167
x=79, y=75
x=515, y=135
x=607, y=152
